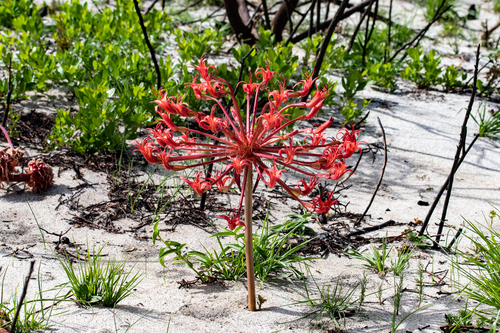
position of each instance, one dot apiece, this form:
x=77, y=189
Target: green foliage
x=378, y=49
x=327, y=302
x=453, y=78
x=423, y=69
x=11, y=9
x=402, y=260
x=460, y=322
x=273, y=254
x=352, y=84
x=418, y=241
x=375, y=260
x=97, y=281
x=22, y=79
x=96, y=53
x=193, y=45
x=383, y=75
x=431, y=7
x=492, y=80
x=488, y=122
x=482, y=271
x=496, y=6
x=35, y=313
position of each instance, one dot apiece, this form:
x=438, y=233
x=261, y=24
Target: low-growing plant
x=362, y=285
x=453, y=78
x=488, y=122
x=383, y=75
x=193, y=45
x=402, y=260
x=423, y=69
x=419, y=281
x=483, y=270
x=352, y=84
x=35, y=314
x=432, y=6
x=375, y=260
x=415, y=239
x=328, y=302
x=273, y=255
x=97, y=281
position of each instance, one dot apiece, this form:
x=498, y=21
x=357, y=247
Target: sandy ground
x=422, y=134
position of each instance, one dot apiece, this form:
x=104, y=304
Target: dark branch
x=150, y=47
x=458, y=159
x=381, y=174
x=21, y=300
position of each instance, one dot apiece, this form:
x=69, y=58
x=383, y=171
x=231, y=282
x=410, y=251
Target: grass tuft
x=99, y=282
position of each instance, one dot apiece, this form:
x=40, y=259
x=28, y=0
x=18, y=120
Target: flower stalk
x=249, y=240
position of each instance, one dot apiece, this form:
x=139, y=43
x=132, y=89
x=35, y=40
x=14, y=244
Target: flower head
x=255, y=138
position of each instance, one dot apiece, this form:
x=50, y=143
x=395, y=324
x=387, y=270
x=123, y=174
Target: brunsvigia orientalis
x=255, y=140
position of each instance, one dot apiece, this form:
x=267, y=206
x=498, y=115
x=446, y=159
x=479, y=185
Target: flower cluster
x=38, y=176
x=257, y=139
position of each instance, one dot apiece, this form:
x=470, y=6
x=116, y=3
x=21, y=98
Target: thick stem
x=249, y=241
x=266, y=15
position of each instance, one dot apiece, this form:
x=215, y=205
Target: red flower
x=249, y=87
x=338, y=170
x=211, y=122
x=199, y=185
x=233, y=221
x=274, y=175
x=251, y=138
x=165, y=158
x=266, y=74
x=196, y=87
x=306, y=86
x=272, y=120
x=203, y=69
x=164, y=136
x=148, y=149
x=276, y=98
x=326, y=161
x=349, y=145
x=238, y=164
x=321, y=206
x=289, y=151
x=316, y=103
x=220, y=180
x=313, y=181
x=216, y=91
